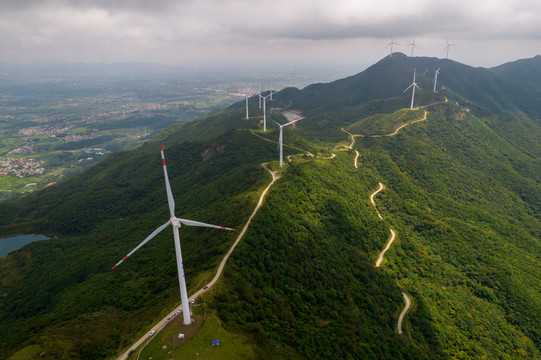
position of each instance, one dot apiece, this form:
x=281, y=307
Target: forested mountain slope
x=462, y=192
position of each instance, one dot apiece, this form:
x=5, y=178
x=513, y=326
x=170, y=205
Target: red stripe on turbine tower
x=163, y=162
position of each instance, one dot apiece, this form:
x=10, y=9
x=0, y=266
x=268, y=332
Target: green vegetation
x=382, y=124
x=462, y=191
x=232, y=345
x=42, y=120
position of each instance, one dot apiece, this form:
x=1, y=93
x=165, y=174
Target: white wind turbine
x=280, y=138
x=176, y=223
x=436, y=78
x=259, y=94
x=391, y=45
x=247, y=93
x=265, y=109
x=447, y=49
x=414, y=85
x=412, y=46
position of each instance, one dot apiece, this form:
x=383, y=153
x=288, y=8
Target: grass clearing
x=29, y=352
x=199, y=346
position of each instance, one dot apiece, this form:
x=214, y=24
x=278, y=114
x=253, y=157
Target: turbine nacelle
x=175, y=222
x=280, y=138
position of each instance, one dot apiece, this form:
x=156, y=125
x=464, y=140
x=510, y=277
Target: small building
x=215, y=342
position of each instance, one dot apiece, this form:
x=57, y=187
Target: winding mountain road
x=391, y=239
x=353, y=136
x=407, y=305
x=161, y=324
x=407, y=299
x=381, y=187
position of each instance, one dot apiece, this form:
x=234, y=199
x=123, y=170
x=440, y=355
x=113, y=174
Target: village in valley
x=55, y=126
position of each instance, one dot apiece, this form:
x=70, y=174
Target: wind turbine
x=447, y=48
x=265, y=109
x=259, y=93
x=414, y=85
x=436, y=78
x=176, y=223
x=412, y=46
x=280, y=138
x=247, y=93
x=391, y=45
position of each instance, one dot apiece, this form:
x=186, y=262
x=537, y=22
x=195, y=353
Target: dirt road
x=159, y=326
x=407, y=305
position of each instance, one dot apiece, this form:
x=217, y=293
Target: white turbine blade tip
x=202, y=224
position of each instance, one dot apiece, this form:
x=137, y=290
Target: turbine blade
x=292, y=122
x=407, y=88
x=154, y=233
x=170, y=199
x=201, y=224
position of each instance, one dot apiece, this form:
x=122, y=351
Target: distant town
x=55, y=127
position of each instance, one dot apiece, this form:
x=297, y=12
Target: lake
x=9, y=244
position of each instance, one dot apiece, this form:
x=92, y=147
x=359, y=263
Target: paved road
x=407, y=305
x=157, y=327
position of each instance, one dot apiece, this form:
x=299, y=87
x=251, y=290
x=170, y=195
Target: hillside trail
x=394, y=133
x=407, y=299
x=161, y=324
x=407, y=305
x=393, y=234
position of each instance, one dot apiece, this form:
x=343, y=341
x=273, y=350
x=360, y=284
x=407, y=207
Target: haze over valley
x=270, y=180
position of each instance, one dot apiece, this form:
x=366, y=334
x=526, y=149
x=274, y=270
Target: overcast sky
x=285, y=32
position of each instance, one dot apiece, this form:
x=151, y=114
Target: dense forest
x=462, y=192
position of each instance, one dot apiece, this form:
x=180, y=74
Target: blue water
x=9, y=244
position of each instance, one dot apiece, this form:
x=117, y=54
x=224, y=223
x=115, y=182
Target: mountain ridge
x=460, y=191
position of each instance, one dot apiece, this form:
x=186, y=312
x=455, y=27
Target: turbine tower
x=247, y=115
x=259, y=93
x=436, y=78
x=247, y=93
x=413, y=85
x=447, y=49
x=391, y=45
x=280, y=139
x=412, y=46
x=176, y=223
x=265, y=109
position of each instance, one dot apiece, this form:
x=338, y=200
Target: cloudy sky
x=485, y=32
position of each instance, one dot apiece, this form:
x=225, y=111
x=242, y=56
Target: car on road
x=152, y=332
x=131, y=352
x=205, y=288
